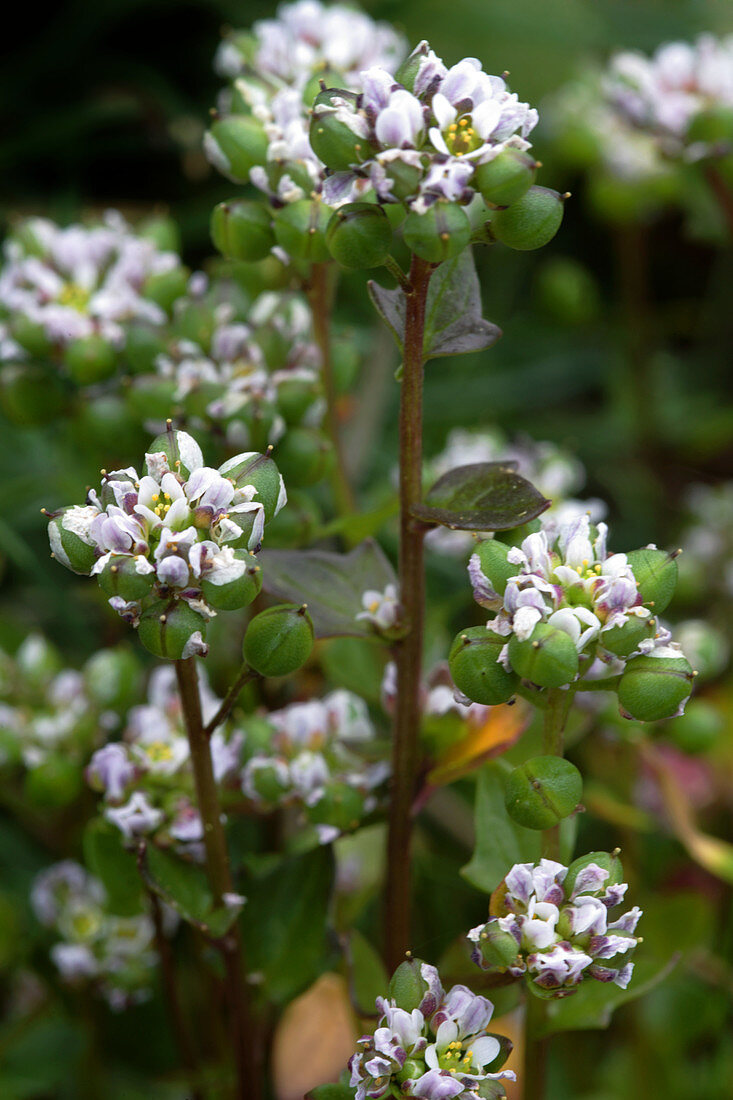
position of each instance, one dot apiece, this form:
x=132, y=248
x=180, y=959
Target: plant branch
x=245, y=676
x=723, y=194
x=555, y=717
x=408, y=651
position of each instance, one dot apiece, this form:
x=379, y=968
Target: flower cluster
x=171, y=546
x=314, y=755
x=676, y=94
x=115, y=954
x=425, y=142
x=146, y=778
x=554, y=926
x=62, y=285
x=438, y=1050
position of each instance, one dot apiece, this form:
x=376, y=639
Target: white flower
x=137, y=817
x=382, y=609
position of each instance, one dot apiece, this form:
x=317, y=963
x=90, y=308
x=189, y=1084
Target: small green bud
x=238, y=591
x=475, y=668
x=359, y=235
x=623, y=640
x=542, y=791
x=655, y=572
x=323, y=76
x=439, y=234
x=71, y=543
x=279, y=641
x=196, y=322
x=300, y=228
x=167, y=630
x=235, y=145
x=332, y=140
x=30, y=395
x=698, y=729
x=126, y=576
x=260, y=471
x=180, y=448
x=341, y=806
x=31, y=336
x=498, y=949
x=547, y=658
x=294, y=397
x=90, y=359
x=506, y=178
x=607, y=861
x=410, y=1071
x=166, y=287
x=410, y=67
x=407, y=987
x=305, y=456
x=652, y=688
x=492, y=556
x=242, y=230
x=531, y=221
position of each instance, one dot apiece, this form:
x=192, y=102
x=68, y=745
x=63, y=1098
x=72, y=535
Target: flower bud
x=506, y=178
x=332, y=138
x=166, y=287
x=242, y=230
x=341, y=806
x=410, y=1071
x=300, y=228
x=578, y=873
x=30, y=395
x=279, y=641
x=71, y=542
x=698, y=729
x=655, y=572
x=548, y=657
x=531, y=221
x=492, y=556
x=652, y=688
x=495, y=948
x=235, y=586
x=260, y=471
x=89, y=359
x=439, y=234
x=172, y=630
x=475, y=668
x=542, y=791
x=126, y=576
x=407, y=986
x=305, y=456
x=623, y=640
x=269, y=780
x=181, y=450
x=359, y=235
x=235, y=145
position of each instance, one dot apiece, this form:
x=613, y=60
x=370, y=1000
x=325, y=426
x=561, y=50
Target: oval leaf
x=483, y=496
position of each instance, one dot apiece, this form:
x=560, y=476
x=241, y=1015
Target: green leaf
x=453, y=321
x=107, y=858
x=284, y=923
x=185, y=887
x=483, y=496
x=330, y=1092
x=500, y=843
x=331, y=584
x=368, y=978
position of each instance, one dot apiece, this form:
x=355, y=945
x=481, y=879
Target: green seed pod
x=294, y=397
x=162, y=231
x=705, y=646
x=439, y=234
x=515, y=536
x=547, y=658
x=71, y=543
x=167, y=630
x=242, y=230
x=300, y=228
x=506, y=178
x=479, y=216
x=235, y=145
x=111, y=677
x=476, y=670
x=305, y=456
x=332, y=140
x=492, y=556
x=166, y=287
x=407, y=987
x=607, y=861
x=325, y=76
x=260, y=471
x=655, y=572
x=567, y=292
x=623, y=640
x=347, y=359
x=229, y=593
x=127, y=576
x=143, y=345
x=498, y=949
x=542, y=791
x=410, y=67
x=180, y=448
x=30, y=394
x=712, y=126
x=279, y=641
x=652, y=688
x=340, y=806
x=410, y=1071
x=31, y=336
x=531, y=221
x=359, y=235
x=56, y=782
x=698, y=729
x=150, y=398
x=89, y=359
x=269, y=783
x=196, y=322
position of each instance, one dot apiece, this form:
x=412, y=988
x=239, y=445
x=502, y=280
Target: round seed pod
x=300, y=228
x=698, y=729
x=71, y=543
x=530, y=222
x=166, y=287
x=655, y=572
x=279, y=641
x=31, y=336
x=332, y=140
x=305, y=456
x=623, y=640
x=89, y=359
x=269, y=781
x=126, y=576
x=166, y=629
x=181, y=450
x=30, y=394
x=242, y=230
x=227, y=592
x=259, y=470
x=150, y=398
x=340, y=806
x=542, y=791
x=325, y=77
x=492, y=555
x=506, y=178
x=475, y=668
x=294, y=398
x=407, y=987
x=652, y=688
x=235, y=145
x=359, y=235
x=547, y=658
x=439, y=234
x=162, y=231
x=497, y=949
x=607, y=861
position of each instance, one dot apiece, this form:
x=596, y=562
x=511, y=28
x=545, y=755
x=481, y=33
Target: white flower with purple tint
x=381, y=609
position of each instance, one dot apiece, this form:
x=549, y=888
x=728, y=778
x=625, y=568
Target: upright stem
x=408, y=651
x=555, y=716
x=723, y=194
x=220, y=880
x=319, y=293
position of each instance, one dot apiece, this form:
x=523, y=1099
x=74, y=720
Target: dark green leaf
x=185, y=887
x=108, y=859
x=500, y=843
x=331, y=584
x=484, y=496
x=368, y=978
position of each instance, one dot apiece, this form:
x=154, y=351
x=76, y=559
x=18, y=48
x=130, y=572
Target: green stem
x=319, y=294
x=220, y=880
x=555, y=716
x=245, y=675
x=408, y=650
x=534, y=1075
